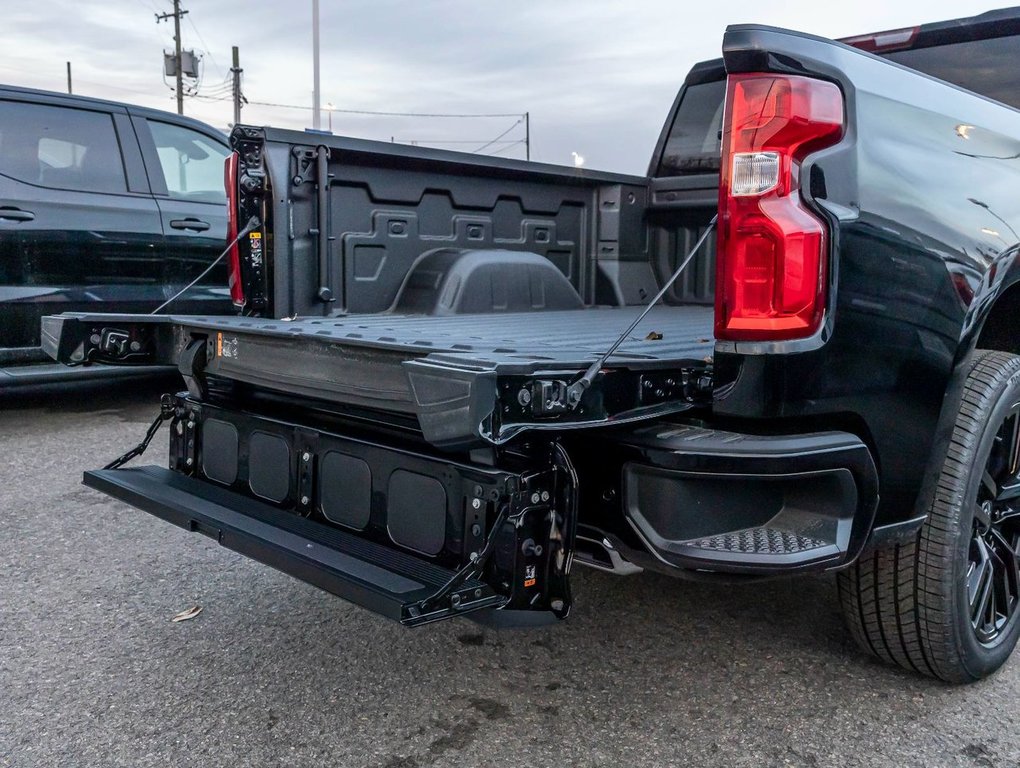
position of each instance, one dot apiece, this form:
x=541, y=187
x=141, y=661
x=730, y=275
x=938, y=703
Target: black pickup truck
x=417, y=409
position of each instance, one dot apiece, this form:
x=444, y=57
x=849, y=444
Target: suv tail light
x=771, y=263
x=234, y=252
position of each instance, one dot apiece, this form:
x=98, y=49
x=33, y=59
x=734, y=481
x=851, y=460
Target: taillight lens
x=234, y=253
x=771, y=263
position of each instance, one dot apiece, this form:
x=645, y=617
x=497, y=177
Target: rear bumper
x=709, y=500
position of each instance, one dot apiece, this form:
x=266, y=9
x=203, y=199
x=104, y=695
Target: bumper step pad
x=379, y=578
x=760, y=541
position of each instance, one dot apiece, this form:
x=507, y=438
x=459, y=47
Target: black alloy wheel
x=993, y=573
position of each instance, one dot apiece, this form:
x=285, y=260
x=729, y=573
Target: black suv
x=104, y=207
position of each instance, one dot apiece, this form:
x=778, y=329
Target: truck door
x=78, y=226
x=186, y=172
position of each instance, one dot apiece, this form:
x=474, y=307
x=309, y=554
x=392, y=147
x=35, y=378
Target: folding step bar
x=383, y=580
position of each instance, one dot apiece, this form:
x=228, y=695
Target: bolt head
x=545, y=495
x=524, y=397
x=476, y=503
x=304, y=500
x=306, y=456
x=190, y=461
x=536, y=497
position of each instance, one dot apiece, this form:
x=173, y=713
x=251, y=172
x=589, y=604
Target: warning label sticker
x=255, y=245
x=529, y=575
x=226, y=347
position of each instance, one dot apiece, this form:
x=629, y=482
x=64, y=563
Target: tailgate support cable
x=166, y=412
x=576, y=390
x=253, y=222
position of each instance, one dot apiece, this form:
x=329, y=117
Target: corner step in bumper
x=725, y=502
x=383, y=580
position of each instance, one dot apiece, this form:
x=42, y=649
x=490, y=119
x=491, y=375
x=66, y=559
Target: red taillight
x=771, y=265
x=234, y=253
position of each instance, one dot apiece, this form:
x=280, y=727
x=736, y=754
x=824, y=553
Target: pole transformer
x=176, y=15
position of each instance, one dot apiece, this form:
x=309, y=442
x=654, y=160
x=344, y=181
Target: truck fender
x=1000, y=285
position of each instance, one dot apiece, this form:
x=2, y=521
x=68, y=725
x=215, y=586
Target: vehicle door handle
x=193, y=224
x=8, y=213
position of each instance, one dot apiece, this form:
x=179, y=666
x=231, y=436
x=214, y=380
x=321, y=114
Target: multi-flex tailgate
x=381, y=579
x=468, y=380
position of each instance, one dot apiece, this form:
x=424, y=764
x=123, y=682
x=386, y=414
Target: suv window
x=60, y=147
x=192, y=163
x=693, y=145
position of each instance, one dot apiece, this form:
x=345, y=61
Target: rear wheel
x=947, y=604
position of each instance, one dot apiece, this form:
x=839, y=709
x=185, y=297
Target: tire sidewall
x=980, y=660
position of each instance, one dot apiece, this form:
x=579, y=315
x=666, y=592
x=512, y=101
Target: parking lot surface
x=648, y=671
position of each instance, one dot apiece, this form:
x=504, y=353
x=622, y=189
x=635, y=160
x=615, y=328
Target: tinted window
x=192, y=163
x=60, y=147
x=694, y=145
x=988, y=67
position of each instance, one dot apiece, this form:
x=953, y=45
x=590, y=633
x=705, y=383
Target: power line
x=208, y=50
x=509, y=146
x=490, y=143
x=453, y=141
x=387, y=114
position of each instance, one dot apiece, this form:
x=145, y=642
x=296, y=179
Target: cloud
x=596, y=76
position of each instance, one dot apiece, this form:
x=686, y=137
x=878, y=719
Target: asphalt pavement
x=647, y=671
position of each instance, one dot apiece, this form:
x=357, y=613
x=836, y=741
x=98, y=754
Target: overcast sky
x=597, y=77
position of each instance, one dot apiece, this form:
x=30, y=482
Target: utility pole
x=176, y=15
x=527, y=135
x=69, y=78
x=235, y=72
x=316, y=116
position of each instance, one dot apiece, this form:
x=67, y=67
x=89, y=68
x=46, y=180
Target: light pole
x=328, y=106
x=316, y=120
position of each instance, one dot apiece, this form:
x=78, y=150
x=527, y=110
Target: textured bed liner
x=564, y=337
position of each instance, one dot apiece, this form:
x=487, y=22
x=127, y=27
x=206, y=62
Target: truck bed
x=514, y=342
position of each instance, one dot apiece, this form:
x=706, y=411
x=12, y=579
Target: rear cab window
x=694, y=144
x=60, y=147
